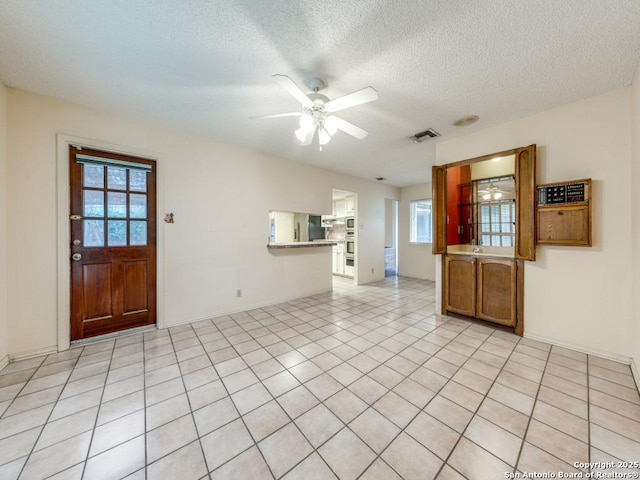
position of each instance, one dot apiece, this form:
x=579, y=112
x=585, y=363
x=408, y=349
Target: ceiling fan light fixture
x=486, y=196
x=316, y=108
x=302, y=133
x=497, y=195
x=306, y=121
x=330, y=125
x=323, y=136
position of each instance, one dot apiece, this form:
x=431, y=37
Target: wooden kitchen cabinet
x=460, y=285
x=486, y=288
x=338, y=259
x=349, y=205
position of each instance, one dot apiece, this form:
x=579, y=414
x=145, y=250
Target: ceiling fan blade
x=277, y=115
x=367, y=94
x=350, y=128
x=291, y=86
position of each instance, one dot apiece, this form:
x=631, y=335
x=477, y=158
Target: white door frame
x=63, y=246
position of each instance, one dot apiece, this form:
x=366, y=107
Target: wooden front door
x=113, y=242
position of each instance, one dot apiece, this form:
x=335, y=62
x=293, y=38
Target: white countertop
x=315, y=243
x=504, y=252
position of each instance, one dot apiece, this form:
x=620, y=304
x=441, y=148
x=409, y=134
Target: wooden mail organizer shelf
x=564, y=213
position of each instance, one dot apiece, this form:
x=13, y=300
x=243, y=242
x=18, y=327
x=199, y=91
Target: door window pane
x=93, y=233
x=93, y=203
x=137, y=181
x=138, y=233
x=117, y=178
x=117, y=205
x=93, y=176
x=117, y=233
x=137, y=205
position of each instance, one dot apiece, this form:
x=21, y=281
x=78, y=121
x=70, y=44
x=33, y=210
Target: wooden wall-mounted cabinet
x=524, y=172
x=564, y=213
x=481, y=286
x=487, y=288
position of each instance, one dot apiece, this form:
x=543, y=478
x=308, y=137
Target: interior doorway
x=341, y=227
x=391, y=238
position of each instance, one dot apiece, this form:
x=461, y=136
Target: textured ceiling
x=205, y=66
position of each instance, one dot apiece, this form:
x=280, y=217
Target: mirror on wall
x=292, y=227
x=481, y=203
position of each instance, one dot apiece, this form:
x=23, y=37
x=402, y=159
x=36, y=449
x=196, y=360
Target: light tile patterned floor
x=365, y=382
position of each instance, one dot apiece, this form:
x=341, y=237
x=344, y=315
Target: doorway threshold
x=109, y=336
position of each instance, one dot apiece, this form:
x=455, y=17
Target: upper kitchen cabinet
x=349, y=206
x=344, y=207
x=486, y=204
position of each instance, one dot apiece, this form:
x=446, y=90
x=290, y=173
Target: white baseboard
x=245, y=308
x=589, y=351
x=578, y=348
x=15, y=357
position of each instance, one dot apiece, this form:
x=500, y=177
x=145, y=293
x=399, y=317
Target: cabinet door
x=439, y=209
x=349, y=205
x=460, y=285
x=340, y=262
x=497, y=281
x=525, y=248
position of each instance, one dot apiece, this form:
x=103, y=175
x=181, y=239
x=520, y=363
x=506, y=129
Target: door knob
x=76, y=257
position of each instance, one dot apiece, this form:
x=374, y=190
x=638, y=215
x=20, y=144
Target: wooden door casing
x=525, y=174
x=113, y=288
x=439, y=208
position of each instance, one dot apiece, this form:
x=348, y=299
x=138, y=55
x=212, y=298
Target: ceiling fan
x=492, y=193
x=316, y=111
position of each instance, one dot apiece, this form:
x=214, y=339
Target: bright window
x=421, y=230
x=497, y=225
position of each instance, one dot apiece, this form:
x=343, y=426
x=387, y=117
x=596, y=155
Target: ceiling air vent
x=426, y=135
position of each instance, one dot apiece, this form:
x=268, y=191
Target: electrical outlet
x=238, y=293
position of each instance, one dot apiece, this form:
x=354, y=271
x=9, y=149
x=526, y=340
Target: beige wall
x=4, y=332
x=220, y=196
x=576, y=296
x=635, y=195
x=415, y=261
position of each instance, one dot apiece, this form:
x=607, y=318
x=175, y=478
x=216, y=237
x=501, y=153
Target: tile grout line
x=301, y=384
x=100, y=404
x=240, y=416
x=420, y=410
x=307, y=317
x=533, y=407
x=186, y=394
x=345, y=387
x=453, y=448
x=144, y=400
x=48, y=416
